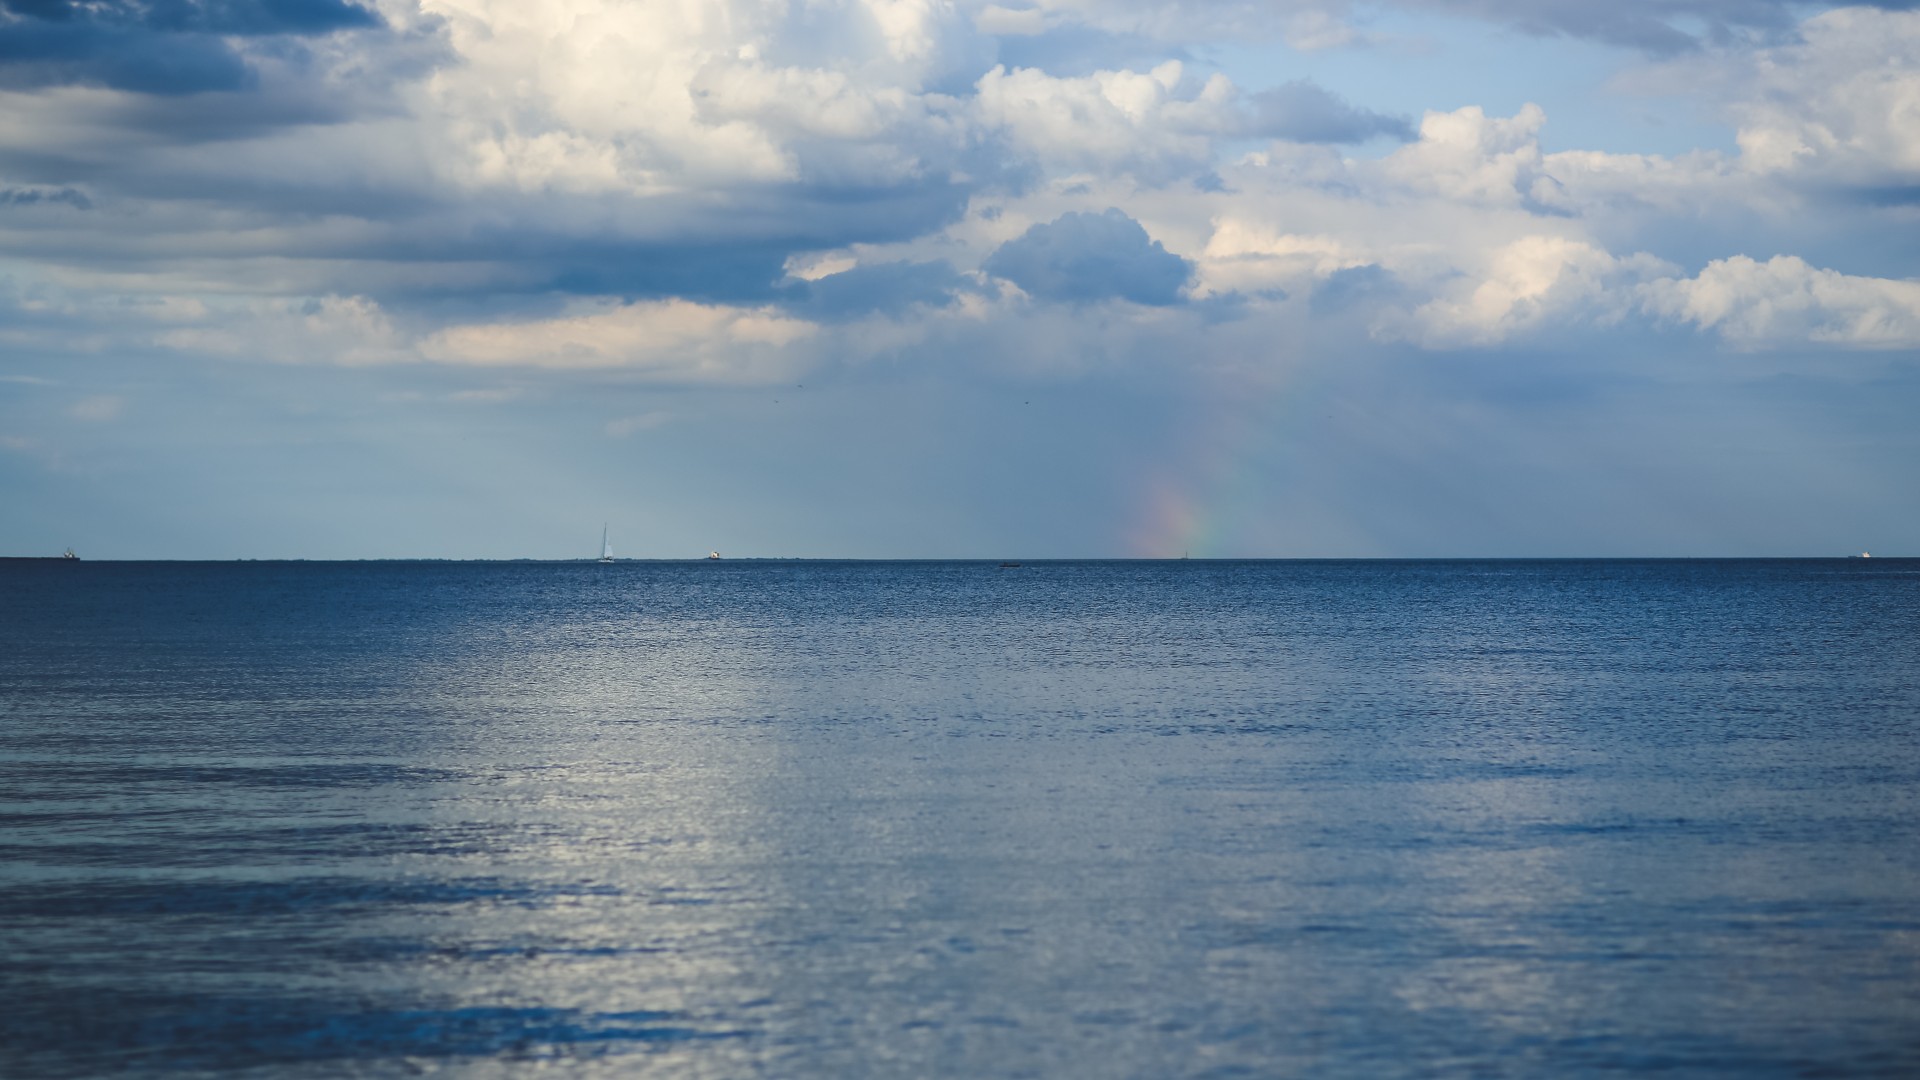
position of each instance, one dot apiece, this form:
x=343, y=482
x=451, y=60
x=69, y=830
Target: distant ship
x=713, y=554
x=68, y=554
x=1862, y=555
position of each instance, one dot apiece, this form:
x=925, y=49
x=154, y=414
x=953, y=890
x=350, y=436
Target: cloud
x=1784, y=302
x=1158, y=125
x=232, y=18
x=1176, y=21
x=1842, y=105
x=168, y=48
x=1649, y=25
x=1527, y=283
x=1305, y=112
x=622, y=150
x=38, y=54
x=1082, y=257
x=627, y=186
x=673, y=340
x=1355, y=288
x=1147, y=123
x=1832, y=109
x=1467, y=156
x=1655, y=26
x=318, y=329
x=19, y=196
x=1250, y=255
x=888, y=288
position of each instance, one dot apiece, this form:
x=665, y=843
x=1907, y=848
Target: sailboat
x=606, y=546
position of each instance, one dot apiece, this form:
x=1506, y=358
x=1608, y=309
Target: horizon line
x=1003, y=560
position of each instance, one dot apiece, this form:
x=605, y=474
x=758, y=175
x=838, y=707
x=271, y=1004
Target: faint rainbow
x=1213, y=491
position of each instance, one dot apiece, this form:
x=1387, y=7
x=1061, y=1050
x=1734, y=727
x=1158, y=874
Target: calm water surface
x=1193, y=819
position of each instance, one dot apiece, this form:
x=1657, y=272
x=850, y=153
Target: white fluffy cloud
x=1467, y=156
x=1156, y=125
x=1842, y=104
x=1142, y=122
x=1784, y=301
x=1837, y=105
x=1526, y=283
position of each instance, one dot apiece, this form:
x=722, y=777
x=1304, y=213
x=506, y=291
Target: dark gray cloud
x=73, y=197
x=362, y=203
x=884, y=287
x=166, y=47
x=143, y=62
x=733, y=273
x=1889, y=195
x=1303, y=111
x=237, y=18
x=731, y=252
x=1083, y=257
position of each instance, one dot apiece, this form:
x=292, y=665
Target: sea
x=796, y=819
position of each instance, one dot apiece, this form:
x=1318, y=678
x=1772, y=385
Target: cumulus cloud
x=1835, y=107
x=1784, y=301
x=1468, y=156
x=1841, y=105
x=1083, y=257
x=1159, y=124
x=1247, y=256
x=1527, y=283
x=1142, y=122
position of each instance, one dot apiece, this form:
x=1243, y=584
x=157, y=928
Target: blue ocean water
x=816, y=819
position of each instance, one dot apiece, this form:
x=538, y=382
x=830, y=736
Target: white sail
x=606, y=546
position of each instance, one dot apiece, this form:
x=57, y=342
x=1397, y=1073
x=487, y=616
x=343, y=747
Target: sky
x=949, y=279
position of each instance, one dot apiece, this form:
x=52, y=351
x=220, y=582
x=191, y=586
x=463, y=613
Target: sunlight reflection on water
x=941, y=819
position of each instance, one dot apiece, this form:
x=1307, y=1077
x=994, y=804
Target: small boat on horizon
x=713, y=554
x=606, y=548
x=68, y=554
